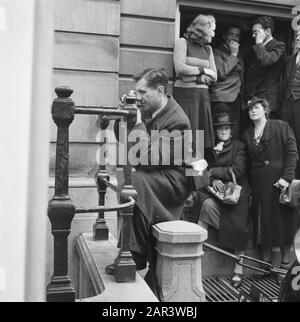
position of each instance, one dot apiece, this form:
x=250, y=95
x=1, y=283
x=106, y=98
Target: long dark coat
x=290, y=106
x=288, y=72
x=274, y=157
x=262, y=78
x=234, y=220
x=162, y=189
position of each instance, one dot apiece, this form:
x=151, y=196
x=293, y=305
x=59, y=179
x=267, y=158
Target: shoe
x=236, y=280
x=285, y=266
x=110, y=269
x=140, y=260
x=267, y=274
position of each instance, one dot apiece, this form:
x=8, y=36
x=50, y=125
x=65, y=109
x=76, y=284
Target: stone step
x=103, y=253
x=83, y=192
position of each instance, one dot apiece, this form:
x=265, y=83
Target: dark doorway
x=283, y=30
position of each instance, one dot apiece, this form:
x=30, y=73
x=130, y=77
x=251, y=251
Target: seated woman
x=232, y=221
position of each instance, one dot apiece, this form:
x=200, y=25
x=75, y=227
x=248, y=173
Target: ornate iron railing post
x=100, y=229
x=125, y=267
x=61, y=209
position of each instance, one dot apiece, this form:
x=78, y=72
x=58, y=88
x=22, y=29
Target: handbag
x=291, y=195
x=231, y=192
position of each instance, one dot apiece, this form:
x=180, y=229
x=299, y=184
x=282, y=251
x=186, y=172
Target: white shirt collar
x=265, y=42
x=156, y=112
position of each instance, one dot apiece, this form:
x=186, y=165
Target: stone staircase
x=88, y=258
x=82, y=249
x=95, y=285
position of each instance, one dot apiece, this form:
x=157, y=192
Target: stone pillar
x=178, y=269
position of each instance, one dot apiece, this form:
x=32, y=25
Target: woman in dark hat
x=231, y=221
x=272, y=151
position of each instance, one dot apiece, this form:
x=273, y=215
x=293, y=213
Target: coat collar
x=291, y=63
x=264, y=141
x=270, y=43
x=164, y=114
x=266, y=135
x=291, y=58
x=225, y=48
x=267, y=41
x=226, y=147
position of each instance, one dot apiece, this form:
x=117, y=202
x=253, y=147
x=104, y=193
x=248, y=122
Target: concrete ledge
x=88, y=270
x=104, y=253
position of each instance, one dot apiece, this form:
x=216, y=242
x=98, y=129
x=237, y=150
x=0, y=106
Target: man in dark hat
x=265, y=69
x=226, y=94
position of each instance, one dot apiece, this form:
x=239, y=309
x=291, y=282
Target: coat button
x=267, y=162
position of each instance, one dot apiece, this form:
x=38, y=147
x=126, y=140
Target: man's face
x=258, y=29
x=232, y=34
x=149, y=99
x=297, y=39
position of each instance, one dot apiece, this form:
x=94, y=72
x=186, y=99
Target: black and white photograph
x=149, y=154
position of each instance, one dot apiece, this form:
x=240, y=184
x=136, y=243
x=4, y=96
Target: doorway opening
x=283, y=31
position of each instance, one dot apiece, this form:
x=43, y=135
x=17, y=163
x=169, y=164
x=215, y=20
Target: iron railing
x=61, y=209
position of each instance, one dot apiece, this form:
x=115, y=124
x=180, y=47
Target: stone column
x=178, y=270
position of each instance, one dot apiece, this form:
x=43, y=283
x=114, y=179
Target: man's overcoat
x=163, y=188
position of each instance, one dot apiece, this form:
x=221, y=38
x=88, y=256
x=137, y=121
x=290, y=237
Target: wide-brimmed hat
x=256, y=99
x=222, y=119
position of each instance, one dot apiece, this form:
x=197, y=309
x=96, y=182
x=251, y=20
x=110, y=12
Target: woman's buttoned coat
x=273, y=158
